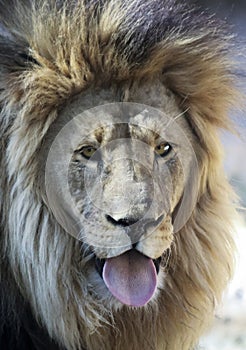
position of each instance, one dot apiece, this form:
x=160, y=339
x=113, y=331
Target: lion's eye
x=163, y=149
x=87, y=151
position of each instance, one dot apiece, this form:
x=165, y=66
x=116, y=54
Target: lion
x=116, y=215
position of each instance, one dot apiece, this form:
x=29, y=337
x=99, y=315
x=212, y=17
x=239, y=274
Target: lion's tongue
x=131, y=278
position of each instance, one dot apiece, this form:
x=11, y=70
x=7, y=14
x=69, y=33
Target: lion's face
x=126, y=171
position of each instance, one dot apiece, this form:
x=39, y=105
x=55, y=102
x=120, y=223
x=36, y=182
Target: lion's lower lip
x=99, y=263
x=157, y=263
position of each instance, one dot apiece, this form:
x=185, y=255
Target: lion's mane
x=50, y=51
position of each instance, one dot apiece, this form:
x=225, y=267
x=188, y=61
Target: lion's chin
x=130, y=277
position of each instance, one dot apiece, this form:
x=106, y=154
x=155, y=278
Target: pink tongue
x=131, y=278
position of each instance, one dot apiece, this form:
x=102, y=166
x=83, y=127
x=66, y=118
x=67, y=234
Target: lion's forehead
x=130, y=106
x=106, y=133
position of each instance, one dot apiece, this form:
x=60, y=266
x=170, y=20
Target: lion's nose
x=124, y=222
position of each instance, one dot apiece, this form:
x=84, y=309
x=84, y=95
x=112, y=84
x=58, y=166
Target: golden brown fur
x=63, y=50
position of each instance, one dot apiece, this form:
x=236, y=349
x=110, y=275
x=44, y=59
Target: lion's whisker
x=172, y=120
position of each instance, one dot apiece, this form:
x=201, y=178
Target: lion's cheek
x=156, y=243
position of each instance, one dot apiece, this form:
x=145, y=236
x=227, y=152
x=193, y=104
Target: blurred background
x=229, y=329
